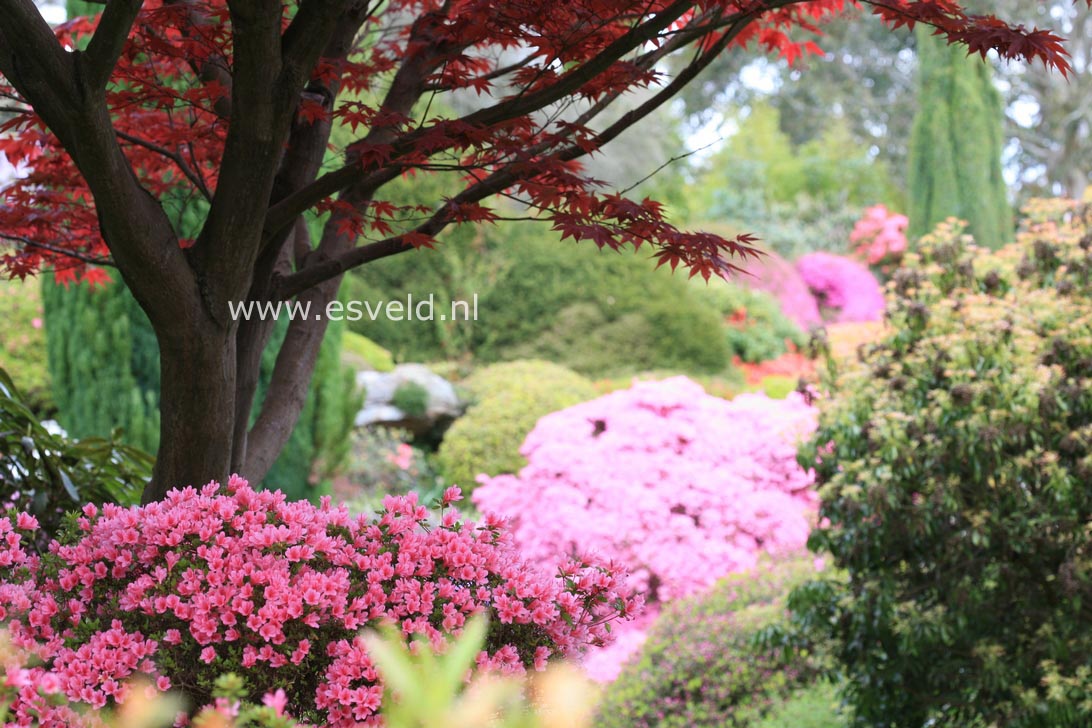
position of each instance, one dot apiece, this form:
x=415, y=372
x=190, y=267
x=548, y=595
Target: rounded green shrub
x=509, y=399
x=705, y=665
x=411, y=398
x=360, y=352
x=954, y=462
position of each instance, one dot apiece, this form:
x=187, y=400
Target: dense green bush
x=509, y=399
x=756, y=330
x=538, y=297
x=47, y=475
x=103, y=361
x=704, y=664
x=596, y=312
x=22, y=347
x=954, y=462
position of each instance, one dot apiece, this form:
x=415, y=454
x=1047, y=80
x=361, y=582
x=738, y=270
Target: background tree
x=234, y=104
x=955, y=147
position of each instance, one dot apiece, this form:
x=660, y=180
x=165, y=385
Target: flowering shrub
x=209, y=581
x=879, y=237
x=845, y=289
x=702, y=665
x=775, y=275
x=679, y=487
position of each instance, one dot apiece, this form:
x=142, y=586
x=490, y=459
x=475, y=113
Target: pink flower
x=844, y=288
x=26, y=522
x=208, y=654
x=277, y=701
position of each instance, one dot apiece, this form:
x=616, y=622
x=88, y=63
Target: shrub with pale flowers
x=218, y=580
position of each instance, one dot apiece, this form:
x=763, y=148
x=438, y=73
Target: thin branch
x=283, y=213
x=175, y=157
x=83, y=257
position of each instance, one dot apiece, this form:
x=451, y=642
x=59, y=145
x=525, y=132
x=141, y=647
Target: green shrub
x=360, y=352
x=756, y=328
x=22, y=347
x=704, y=664
x=510, y=399
x=596, y=312
x=817, y=706
x=48, y=475
x=411, y=398
x=954, y=462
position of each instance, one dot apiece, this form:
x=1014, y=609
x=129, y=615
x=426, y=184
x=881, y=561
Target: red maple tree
x=122, y=116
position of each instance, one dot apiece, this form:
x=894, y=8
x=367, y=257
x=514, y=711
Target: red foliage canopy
x=170, y=97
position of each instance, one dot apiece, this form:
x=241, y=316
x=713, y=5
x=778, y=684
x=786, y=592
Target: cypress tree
x=955, y=145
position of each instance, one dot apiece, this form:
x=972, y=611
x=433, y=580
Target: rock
x=443, y=404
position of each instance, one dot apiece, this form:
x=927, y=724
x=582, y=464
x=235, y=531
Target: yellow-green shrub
x=510, y=399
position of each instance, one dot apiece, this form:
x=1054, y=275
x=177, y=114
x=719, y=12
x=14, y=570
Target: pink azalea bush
x=879, y=237
x=218, y=580
x=775, y=275
x=845, y=289
x=679, y=487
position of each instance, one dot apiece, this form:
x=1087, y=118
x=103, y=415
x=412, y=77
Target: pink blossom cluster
x=232, y=580
x=845, y=289
x=775, y=275
x=679, y=487
x=879, y=237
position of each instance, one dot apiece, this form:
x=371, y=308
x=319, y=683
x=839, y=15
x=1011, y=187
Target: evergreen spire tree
x=955, y=145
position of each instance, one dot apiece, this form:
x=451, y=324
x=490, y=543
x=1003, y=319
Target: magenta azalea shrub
x=879, y=237
x=775, y=275
x=845, y=289
x=218, y=580
x=679, y=487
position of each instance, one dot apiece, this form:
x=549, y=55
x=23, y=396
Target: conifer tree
x=955, y=146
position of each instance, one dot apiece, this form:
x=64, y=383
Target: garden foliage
x=510, y=399
x=232, y=580
x=704, y=665
x=23, y=346
x=956, y=145
x=755, y=328
x=953, y=464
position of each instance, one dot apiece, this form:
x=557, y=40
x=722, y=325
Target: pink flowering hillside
x=846, y=290
x=220, y=580
x=679, y=487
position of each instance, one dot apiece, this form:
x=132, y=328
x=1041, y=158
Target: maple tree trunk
x=197, y=412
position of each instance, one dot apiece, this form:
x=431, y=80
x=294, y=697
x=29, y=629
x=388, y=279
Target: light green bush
x=704, y=666
x=510, y=399
x=360, y=352
x=756, y=330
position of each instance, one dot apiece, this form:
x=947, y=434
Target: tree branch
x=282, y=214
x=67, y=252
x=106, y=45
x=498, y=181
x=175, y=157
